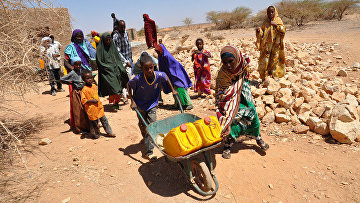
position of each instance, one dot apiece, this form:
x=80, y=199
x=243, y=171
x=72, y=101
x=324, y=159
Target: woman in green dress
x=112, y=74
x=235, y=107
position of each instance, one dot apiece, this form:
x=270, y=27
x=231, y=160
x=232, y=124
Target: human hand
x=128, y=64
x=174, y=92
x=258, y=29
x=133, y=105
x=273, y=23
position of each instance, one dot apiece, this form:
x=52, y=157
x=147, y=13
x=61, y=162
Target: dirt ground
x=296, y=168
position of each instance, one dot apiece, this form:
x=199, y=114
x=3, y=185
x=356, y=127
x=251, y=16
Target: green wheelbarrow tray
x=200, y=174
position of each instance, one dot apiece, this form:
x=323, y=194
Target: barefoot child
x=78, y=118
x=93, y=106
x=145, y=95
x=201, y=68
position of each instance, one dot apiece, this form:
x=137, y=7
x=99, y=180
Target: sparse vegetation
x=228, y=20
x=187, y=21
x=336, y=9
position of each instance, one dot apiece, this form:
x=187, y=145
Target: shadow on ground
x=162, y=177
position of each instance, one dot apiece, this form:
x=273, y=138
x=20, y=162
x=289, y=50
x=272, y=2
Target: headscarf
x=75, y=59
x=173, y=69
x=137, y=65
x=146, y=16
x=80, y=48
x=43, y=40
x=268, y=29
x=225, y=76
x=93, y=33
x=150, y=31
x=159, y=49
x=112, y=73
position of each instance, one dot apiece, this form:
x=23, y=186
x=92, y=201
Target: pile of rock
x=325, y=106
x=305, y=97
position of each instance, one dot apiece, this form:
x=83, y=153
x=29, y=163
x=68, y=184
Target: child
x=145, y=95
x=201, y=68
x=53, y=55
x=93, y=106
x=78, y=119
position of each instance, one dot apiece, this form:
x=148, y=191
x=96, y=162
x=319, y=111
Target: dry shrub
x=300, y=12
x=337, y=9
x=228, y=20
x=23, y=24
x=214, y=37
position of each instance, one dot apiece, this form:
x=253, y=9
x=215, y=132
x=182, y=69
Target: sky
x=95, y=14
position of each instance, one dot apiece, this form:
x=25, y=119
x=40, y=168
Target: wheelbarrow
x=199, y=173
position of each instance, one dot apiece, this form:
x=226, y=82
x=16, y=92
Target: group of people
x=142, y=82
x=50, y=57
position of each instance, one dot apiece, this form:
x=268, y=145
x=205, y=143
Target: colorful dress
x=84, y=50
x=270, y=42
x=235, y=107
x=202, y=72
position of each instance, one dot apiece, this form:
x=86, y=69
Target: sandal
x=226, y=154
x=262, y=145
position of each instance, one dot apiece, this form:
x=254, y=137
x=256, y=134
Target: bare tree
x=188, y=21
x=338, y=8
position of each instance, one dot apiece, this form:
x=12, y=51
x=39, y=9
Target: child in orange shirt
x=93, y=106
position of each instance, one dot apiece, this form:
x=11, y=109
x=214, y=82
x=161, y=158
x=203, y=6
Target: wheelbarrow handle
x=140, y=116
x=179, y=102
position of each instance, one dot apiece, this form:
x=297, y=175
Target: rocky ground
x=305, y=117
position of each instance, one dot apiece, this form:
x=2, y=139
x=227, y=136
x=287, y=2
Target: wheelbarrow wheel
x=201, y=174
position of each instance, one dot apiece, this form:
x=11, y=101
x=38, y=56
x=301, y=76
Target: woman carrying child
x=235, y=107
x=112, y=73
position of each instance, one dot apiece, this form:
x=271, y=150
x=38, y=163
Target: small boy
x=93, y=106
x=145, y=95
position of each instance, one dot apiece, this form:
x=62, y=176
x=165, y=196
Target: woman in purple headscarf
x=176, y=73
x=79, y=47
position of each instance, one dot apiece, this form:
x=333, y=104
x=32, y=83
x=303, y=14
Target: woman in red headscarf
x=150, y=31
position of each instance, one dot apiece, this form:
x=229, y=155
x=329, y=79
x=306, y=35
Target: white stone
x=45, y=141
x=322, y=129
x=312, y=122
x=344, y=123
x=269, y=117
x=268, y=99
x=280, y=118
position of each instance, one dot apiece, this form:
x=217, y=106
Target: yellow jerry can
x=182, y=140
x=209, y=129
